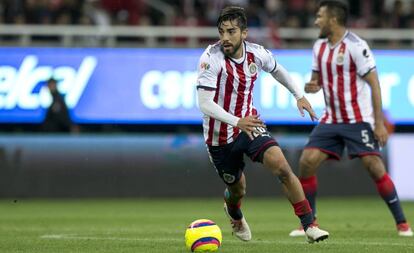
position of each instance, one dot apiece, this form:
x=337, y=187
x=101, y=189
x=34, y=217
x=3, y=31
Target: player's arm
x=208, y=70
x=209, y=107
x=380, y=131
x=365, y=63
x=283, y=77
x=313, y=86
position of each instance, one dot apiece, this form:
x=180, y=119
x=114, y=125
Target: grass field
x=139, y=225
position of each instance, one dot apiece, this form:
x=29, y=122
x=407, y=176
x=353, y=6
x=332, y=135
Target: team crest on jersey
x=340, y=58
x=252, y=68
x=205, y=66
x=228, y=178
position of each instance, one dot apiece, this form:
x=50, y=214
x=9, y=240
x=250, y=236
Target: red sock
x=385, y=186
x=304, y=212
x=387, y=190
x=310, y=186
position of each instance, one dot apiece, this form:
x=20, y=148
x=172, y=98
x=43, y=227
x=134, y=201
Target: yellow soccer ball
x=203, y=236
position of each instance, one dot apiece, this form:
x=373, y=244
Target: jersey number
x=365, y=139
x=262, y=132
x=365, y=136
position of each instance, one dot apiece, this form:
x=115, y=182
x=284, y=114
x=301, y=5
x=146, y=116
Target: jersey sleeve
x=315, y=65
x=208, y=70
x=363, y=58
x=267, y=60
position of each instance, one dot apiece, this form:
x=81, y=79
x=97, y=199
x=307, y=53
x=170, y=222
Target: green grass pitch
x=142, y=225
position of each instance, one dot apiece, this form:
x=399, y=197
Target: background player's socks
x=310, y=186
x=233, y=206
x=386, y=189
x=304, y=212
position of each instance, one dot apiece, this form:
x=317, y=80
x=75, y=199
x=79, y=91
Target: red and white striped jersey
x=233, y=82
x=341, y=70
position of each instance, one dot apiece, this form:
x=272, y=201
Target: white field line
x=409, y=243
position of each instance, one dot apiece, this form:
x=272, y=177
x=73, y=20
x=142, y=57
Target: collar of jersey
x=339, y=42
x=238, y=61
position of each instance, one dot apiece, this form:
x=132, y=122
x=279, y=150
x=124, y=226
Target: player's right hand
x=312, y=86
x=248, y=125
x=381, y=134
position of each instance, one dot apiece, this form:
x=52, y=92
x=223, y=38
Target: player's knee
x=374, y=165
x=238, y=193
x=275, y=161
x=308, y=161
x=284, y=174
x=277, y=165
x=281, y=169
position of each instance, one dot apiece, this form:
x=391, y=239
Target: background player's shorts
x=331, y=139
x=228, y=159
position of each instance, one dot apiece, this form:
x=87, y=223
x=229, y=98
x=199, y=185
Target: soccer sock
x=304, y=212
x=386, y=189
x=310, y=186
x=233, y=206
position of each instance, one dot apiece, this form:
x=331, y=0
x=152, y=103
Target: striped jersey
x=233, y=82
x=341, y=70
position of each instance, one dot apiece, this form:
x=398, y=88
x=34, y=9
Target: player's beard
x=324, y=32
x=233, y=49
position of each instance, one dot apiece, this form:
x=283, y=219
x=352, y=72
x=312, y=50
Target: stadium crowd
x=280, y=13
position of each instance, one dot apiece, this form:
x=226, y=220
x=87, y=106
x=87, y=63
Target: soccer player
x=344, y=68
x=232, y=127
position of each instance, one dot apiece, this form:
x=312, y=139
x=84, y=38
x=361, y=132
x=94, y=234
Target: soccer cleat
x=240, y=227
x=300, y=232
x=404, y=229
x=316, y=234
x=297, y=232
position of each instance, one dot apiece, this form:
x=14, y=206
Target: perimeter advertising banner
x=157, y=86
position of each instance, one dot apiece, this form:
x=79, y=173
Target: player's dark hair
x=233, y=13
x=336, y=9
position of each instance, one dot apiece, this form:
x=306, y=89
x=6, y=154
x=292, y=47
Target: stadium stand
x=190, y=23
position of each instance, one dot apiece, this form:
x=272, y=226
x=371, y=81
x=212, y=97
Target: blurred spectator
x=283, y=13
x=57, y=117
x=124, y=12
x=410, y=20
x=96, y=13
x=397, y=16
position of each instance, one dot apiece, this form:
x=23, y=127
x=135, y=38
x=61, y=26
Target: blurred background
x=97, y=97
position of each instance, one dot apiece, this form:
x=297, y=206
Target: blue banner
x=157, y=86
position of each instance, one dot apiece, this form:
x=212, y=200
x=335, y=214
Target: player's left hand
x=303, y=104
x=381, y=134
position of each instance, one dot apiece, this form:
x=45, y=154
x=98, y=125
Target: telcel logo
x=17, y=85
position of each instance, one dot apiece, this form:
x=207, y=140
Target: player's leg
x=233, y=195
x=309, y=163
x=232, y=198
x=228, y=161
x=386, y=189
x=275, y=161
x=361, y=143
x=323, y=143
